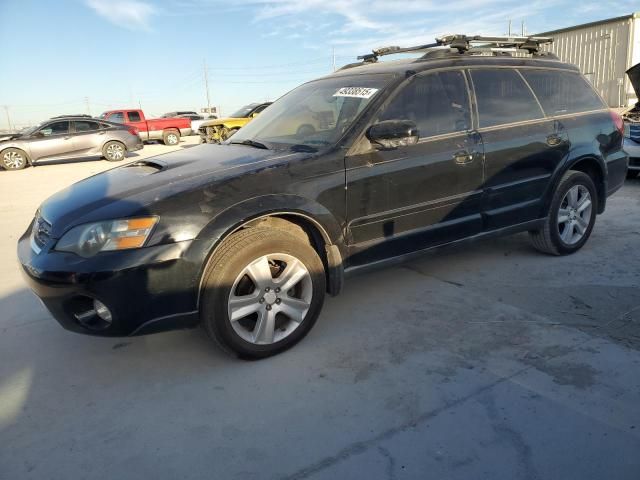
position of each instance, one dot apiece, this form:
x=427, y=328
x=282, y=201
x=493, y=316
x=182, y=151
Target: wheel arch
x=297, y=214
x=590, y=165
x=26, y=153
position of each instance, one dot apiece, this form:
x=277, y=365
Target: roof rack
x=463, y=44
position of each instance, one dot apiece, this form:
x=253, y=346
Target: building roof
x=591, y=24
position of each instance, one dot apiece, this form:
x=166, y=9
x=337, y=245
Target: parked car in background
x=68, y=138
x=216, y=131
x=632, y=125
x=247, y=237
x=167, y=130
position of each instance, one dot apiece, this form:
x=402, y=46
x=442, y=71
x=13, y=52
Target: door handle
x=463, y=157
x=101, y=133
x=67, y=138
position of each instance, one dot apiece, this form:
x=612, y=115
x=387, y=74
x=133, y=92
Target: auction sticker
x=357, y=92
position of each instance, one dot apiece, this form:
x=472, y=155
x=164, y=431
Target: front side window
x=84, y=126
x=55, y=128
x=316, y=114
x=437, y=103
x=561, y=92
x=503, y=97
x=117, y=117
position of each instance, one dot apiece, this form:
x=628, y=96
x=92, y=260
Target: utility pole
x=206, y=86
x=86, y=102
x=524, y=30
x=6, y=110
x=333, y=57
x=509, y=34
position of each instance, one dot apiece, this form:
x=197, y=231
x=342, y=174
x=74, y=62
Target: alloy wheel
x=115, y=151
x=172, y=138
x=574, y=214
x=270, y=298
x=13, y=160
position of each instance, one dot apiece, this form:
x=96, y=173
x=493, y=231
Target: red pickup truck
x=168, y=130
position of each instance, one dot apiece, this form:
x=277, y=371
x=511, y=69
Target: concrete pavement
x=486, y=360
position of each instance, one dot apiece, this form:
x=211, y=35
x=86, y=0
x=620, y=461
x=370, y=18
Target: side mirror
x=391, y=134
x=253, y=115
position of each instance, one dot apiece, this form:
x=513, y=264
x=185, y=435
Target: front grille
x=634, y=131
x=41, y=231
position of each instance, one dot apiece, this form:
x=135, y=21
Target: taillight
x=132, y=130
x=617, y=121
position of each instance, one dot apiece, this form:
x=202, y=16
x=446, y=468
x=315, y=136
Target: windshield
x=31, y=130
x=315, y=114
x=244, y=111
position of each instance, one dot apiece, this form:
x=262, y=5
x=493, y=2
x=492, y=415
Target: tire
x=114, y=151
x=171, y=137
x=631, y=174
x=265, y=304
x=13, y=159
x=566, y=227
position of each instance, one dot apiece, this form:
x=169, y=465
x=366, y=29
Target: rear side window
x=438, y=103
x=84, y=126
x=134, y=116
x=562, y=92
x=503, y=97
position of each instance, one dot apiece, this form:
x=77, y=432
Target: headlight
x=92, y=238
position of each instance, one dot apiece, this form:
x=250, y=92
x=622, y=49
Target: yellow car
x=218, y=130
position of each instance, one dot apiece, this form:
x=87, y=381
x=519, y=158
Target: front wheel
x=262, y=292
x=114, y=151
x=14, y=159
x=571, y=216
x=631, y=174
x=171, y=137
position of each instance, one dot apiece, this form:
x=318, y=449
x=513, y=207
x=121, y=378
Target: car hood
x=132, y=189
x=634, y=77
x=9, y=136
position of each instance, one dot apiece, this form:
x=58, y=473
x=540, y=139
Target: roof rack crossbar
x=464, y=43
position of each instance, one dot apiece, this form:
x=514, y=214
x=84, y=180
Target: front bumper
x=147, y=290
x=633, y=150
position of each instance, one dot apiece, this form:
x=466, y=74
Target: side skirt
x=520, y=227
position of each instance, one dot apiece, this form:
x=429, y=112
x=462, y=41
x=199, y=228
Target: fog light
x=102, y=311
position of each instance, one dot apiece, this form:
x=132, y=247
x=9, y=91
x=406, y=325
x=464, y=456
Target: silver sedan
x=68, y=138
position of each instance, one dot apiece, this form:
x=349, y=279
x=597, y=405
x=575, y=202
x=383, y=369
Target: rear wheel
x=262, y=292
x=114, y=151
x=631, y=174
x=571, y=216
x=14, y=159
x=171, y=137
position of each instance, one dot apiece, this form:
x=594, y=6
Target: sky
x=87, y=56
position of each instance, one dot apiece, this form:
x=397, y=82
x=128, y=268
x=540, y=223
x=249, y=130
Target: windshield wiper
x=301, y=147
x=251, y=143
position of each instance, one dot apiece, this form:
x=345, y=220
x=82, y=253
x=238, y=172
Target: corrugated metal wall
x=602, y=52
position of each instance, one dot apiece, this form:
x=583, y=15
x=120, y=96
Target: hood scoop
x=146, y=166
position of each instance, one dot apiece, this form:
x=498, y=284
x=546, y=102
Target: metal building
x=603, y=51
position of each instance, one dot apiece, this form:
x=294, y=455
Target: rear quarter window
x=503, y=97
x=562, y=92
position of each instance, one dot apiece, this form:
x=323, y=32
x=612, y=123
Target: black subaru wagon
x=363, y=167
